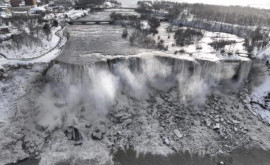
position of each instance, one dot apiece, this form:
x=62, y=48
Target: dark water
x=26, y=162
x=237, y=157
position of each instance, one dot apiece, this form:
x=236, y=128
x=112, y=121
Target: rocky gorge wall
x=97, y=86
x=213, y=72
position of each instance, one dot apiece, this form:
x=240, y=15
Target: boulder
x=102, y=128
x=73, y=133
x=99, y=131
x=97, y=135
x=121, y=117
x=216, y=126
x=166, y=141
x=221, y=163
x=177, y=133
x=208, y=122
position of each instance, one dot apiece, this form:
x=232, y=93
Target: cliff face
x=213, y=72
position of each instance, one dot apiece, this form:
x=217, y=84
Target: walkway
x=59, y=45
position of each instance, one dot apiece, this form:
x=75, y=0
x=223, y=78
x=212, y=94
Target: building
x=30, y=3
x=20, y=12
x=15, y=3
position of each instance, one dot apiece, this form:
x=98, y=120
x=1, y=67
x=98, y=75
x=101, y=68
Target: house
x=21, y=11
x=26, y=8
x=17, y=3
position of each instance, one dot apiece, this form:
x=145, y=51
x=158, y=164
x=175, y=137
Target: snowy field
x=206, y=52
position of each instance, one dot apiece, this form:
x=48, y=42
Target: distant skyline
x=252, y=3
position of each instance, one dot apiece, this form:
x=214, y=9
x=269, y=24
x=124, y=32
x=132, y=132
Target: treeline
x=32, y=32
x=237, y=20
x=257, y=39
x=142, y=36
x=187, y=36
x=246, y=16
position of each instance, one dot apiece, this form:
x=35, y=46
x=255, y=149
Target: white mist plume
x=159, y=75
x=132, y=84
x=101, y=90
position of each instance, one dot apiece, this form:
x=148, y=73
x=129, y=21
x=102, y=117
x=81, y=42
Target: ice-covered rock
x=177, y=133
x=73, y=133
x=99, y=132
x=221, y=163
x=216, y=126
x=166, y=141
x=97, y=135
x=208, y=122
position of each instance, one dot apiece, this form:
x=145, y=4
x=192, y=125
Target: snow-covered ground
x=46, y=57
x=8, y=35
x=34, y=50
x=47, y=47
x=263, y=55
x=71, y=14
x=15, y=82
x=260, y=96
x=261, y=106
x=206, y=52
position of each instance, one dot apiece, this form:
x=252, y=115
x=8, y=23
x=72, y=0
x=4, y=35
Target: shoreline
x=236, y=157
x=239, y=156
